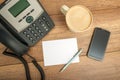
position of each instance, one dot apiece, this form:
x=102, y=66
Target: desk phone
x=22, y=24
x=27, y=20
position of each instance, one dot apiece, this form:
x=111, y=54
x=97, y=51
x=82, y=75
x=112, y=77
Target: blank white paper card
x=57, y=52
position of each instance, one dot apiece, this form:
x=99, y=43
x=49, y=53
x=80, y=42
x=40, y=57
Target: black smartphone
x=98, y=44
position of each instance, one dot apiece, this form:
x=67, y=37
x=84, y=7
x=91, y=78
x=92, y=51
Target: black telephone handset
x=11, y=42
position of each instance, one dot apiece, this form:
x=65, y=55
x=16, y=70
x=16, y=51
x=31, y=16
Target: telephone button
x=48, y=23
x=34, y=24
x=31, y=38
x=29, y=28
x=28, y=13
x=32, y=10
x=39, y=31
x=24, y=32
x=46, y=29
x=39, y=20
x=32, y=32
x=37, y=37
x=24, y=17
x=36, y=28
x=35, y=34
x=28, y=35
x=29, y=19
x=43, y=25
x=20, y=20
x=44, y=18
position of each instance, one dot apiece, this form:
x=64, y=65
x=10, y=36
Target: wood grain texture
x=106, y=14
x=1, y=1
x=87, y=69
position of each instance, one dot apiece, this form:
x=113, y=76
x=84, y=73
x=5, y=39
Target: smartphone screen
x=98, y=44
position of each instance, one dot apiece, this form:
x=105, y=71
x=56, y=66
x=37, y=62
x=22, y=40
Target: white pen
x=68, y=63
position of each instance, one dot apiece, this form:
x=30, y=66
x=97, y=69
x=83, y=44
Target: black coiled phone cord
x=26, y=64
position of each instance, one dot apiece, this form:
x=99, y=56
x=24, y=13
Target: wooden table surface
x=106, y=15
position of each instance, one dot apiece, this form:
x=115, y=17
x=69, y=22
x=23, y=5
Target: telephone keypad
x=37, y=29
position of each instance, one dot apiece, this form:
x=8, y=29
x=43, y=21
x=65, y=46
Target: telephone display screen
x=20, y=6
